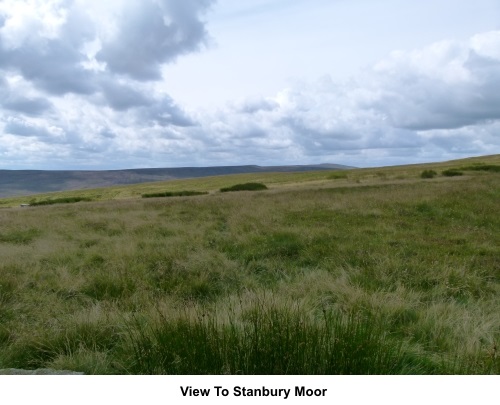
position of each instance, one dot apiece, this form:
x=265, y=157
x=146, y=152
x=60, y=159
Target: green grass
x=369, y=274
x=20, y=236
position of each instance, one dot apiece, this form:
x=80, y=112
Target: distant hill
x=27, y=182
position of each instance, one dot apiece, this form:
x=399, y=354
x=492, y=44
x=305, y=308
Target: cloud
x=447, y=85
x=81, y=85
x=122, y=97
x=28, y=106
x=151, y=33
x=26, y=129
x=64, y=46
x=22, y=100
x=43, y=45
x=253, y=105
x=165, y=112
x=427, y=102
x=80, y=80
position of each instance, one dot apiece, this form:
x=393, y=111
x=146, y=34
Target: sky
x=93, y=85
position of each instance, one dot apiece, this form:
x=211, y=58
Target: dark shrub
x=65, y=200
x=245, y=187
x=452, y=172
x=337, y=176
x=482, y=167
x=174, y=194
x=428, y=174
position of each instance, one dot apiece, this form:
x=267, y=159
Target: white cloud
x=443, y=98
x=81, y=85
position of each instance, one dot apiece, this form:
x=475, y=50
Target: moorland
x=28, y=182
x=392, y=270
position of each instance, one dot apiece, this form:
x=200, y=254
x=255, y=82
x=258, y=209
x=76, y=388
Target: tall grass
x=270, y=339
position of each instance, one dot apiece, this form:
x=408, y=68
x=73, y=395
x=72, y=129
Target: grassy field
x=366, y=271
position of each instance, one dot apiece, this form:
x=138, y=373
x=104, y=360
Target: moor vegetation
x=244, y=187
x=428, y=174
x=64, y=200
x=377, y=271
x=184, y=193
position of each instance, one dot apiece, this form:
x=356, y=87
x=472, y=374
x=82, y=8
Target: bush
x=337, y=176
x=452, y=172
x=65, y=200
x=428, y=174
x=482, y=167
x=245, y=187
x=174, y=194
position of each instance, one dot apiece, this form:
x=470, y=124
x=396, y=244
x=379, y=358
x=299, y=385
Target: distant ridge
x=26, y=182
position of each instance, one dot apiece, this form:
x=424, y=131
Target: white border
x=370, y=390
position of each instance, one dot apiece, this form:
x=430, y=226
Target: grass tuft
x=267, y=340
x=20, y=237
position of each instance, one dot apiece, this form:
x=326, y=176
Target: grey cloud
x=54, y=67
x=439, y=106
x=55, y=64
x=28, y=106
x=446, y=142
x=24, y=129
x=107, y=133
x=423, y=101
x=122, y=97
x=152, y=33
x=251, y=106
x=33, y=106
x=165, y=112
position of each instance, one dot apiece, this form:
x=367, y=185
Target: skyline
x=165, y=83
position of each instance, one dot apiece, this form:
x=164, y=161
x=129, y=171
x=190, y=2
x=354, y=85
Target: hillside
x=282, y=176
x=365, y=271
x=28, y=182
